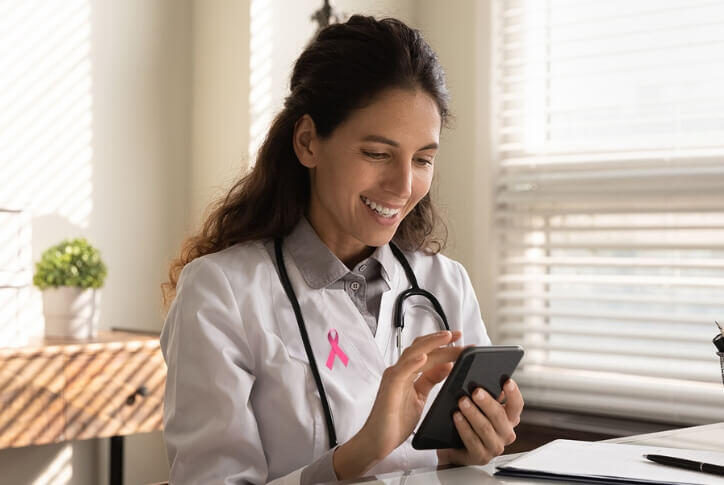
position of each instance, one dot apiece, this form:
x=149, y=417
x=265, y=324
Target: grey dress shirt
x=364, y=284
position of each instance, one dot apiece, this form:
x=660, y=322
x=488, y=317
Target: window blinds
x=610, y=203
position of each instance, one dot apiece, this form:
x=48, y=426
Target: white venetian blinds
x=610, y=202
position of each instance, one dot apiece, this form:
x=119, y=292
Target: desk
x=61, y=389
x=707, y=437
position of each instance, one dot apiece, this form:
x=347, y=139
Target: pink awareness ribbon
x=333, y=338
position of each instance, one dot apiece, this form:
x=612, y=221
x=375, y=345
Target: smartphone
x=486, y=367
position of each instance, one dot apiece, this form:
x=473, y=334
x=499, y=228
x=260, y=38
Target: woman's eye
x=424, y=161
x=375, y=155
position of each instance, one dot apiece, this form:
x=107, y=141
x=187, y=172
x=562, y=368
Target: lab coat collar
x=384, y=255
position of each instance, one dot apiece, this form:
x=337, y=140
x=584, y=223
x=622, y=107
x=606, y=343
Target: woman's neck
x=348, y=249
x=352, y=259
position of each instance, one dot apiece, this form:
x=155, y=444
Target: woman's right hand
x=400, y=400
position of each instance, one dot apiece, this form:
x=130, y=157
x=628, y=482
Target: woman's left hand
x=485, y=426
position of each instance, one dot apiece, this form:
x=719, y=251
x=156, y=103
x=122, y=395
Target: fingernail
x=444, y=332
x=465, y=403
x=458, y=417
x=509, y=386
x=479, y=395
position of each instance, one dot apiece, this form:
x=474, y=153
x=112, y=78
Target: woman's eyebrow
x=387, y=141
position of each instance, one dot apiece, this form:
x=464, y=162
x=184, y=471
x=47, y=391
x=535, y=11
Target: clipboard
x=609, y=463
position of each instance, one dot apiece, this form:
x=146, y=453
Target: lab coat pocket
x=292, y=341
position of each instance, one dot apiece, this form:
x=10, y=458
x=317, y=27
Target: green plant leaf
x=73, y=262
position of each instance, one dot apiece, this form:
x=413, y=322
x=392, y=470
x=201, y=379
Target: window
x=610, y=203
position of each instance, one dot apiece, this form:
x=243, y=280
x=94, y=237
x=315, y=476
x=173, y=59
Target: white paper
x=611, y=460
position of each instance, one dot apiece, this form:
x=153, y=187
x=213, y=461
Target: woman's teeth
x=383, y=211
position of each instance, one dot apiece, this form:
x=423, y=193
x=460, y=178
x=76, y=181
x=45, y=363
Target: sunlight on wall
x=45, y=128
x=60, y=470
x=45, y=153
x=261, y=46
x=45, y=109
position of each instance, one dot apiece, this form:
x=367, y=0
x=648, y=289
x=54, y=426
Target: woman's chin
x=379, y=237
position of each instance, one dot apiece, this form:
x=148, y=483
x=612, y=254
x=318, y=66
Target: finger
x=442, y=355
x=455, y=456
x=476, y=449
x=429, y=342
x=429, y=378
x=414, y=358
x=495, y=414
x=482, y=426
x=437, y=367
x=408, y=366
x=514, y=402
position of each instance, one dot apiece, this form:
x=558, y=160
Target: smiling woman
x=363, y=184
x=348, y=67
x=282, y=360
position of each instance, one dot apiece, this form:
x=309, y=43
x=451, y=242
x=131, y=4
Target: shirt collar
x=319, y=266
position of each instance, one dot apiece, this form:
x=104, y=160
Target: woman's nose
x=399, y=179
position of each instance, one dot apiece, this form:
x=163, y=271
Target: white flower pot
x=71, y=312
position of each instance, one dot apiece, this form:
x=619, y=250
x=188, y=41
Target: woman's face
x=371, y=171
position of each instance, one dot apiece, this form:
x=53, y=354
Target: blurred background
x=582, y=178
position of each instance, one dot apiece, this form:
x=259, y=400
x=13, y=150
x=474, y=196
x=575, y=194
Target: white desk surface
x=707, y=437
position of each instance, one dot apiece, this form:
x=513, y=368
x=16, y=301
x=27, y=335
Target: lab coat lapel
x=385, y=336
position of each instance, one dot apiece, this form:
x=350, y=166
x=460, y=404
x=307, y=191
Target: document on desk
x=594, y=462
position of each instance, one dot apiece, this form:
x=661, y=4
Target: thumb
x=430, y=377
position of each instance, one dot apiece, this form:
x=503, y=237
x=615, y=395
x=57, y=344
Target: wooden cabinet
x=31, y=403
x=66, y=390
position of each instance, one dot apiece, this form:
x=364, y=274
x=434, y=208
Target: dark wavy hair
x=343, y=68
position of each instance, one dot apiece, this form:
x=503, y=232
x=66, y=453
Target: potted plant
x=70, y=275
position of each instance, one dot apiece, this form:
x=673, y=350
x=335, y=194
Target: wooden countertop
x=108, y=339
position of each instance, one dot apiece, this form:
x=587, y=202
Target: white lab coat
x=241, y=405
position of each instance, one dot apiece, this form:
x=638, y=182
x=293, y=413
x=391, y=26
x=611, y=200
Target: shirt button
x=354, y=286
x=362, y=267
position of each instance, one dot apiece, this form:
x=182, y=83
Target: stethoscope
x=398, y=320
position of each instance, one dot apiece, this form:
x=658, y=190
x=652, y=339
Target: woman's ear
x=305, y=141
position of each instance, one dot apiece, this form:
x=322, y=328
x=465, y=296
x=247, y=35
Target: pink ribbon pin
x=333, y=338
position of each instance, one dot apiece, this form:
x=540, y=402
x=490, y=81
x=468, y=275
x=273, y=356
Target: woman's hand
x=399, y=403
x=485, y=425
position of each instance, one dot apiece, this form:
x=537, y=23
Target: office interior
x=122, y=121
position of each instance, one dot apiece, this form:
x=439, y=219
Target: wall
x=97, y=146
x=220, y=100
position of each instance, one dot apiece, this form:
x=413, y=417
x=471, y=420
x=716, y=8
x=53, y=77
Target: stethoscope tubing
x=286, y=283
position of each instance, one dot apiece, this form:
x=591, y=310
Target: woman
x=305, y=383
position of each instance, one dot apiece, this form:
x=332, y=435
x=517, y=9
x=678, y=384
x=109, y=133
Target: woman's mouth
x=379, y=209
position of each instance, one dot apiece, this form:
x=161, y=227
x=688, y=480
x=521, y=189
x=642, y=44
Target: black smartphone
x=486, y=367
